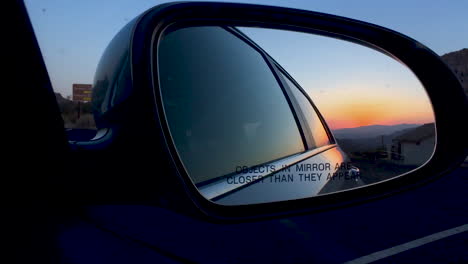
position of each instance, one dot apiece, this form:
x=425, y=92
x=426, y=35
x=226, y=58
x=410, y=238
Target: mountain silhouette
x=371, y=131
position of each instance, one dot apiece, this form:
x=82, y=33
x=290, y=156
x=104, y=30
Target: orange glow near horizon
x=350, y=84
x=360, y=114
x=365, y=109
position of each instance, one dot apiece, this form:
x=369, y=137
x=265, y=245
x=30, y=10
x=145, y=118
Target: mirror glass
x=262, y=115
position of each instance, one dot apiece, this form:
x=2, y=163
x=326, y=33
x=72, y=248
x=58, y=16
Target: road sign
x=82, y=92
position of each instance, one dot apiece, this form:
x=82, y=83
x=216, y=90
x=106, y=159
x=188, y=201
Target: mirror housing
x=127, y=98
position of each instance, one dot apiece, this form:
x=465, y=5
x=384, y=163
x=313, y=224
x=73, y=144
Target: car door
x=138, y=233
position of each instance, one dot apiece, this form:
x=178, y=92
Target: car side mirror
x=264, y=110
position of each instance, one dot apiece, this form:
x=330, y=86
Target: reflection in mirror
x=261, y=115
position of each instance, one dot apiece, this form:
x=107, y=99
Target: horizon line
x=423, y=123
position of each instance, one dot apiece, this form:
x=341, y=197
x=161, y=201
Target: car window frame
x=287, y=96
x=297, y=109
x=278, y=72
x=310, y=138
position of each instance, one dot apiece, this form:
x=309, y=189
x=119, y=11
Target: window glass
x=222, y=102
x=318, y=132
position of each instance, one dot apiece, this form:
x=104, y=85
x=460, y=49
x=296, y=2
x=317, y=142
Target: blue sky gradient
x=73, y=34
